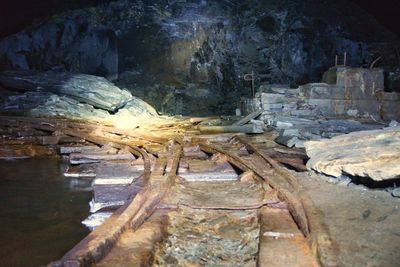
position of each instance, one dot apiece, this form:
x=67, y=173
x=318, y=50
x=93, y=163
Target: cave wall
x=189, y=57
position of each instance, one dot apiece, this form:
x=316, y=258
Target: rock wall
x=166, y=51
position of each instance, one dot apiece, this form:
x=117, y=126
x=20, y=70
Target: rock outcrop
x=72, y=96
x=45, y=104
x=374, y=154
x=94, y=90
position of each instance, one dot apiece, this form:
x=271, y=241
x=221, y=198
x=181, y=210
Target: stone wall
x=344, y=92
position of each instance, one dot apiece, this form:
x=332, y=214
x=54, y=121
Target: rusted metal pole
x=252, y=84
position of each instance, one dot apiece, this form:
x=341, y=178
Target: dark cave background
x=16, y=15
x=189, y=57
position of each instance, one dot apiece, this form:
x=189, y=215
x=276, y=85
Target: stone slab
x=94, y=90
x=374, y=154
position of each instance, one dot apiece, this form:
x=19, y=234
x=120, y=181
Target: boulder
x=138, y=107
x=374, y=154
x=45, y=104
x=93, y=90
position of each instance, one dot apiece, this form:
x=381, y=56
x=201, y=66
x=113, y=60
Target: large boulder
x=94, y=90
x=45, y=104
x=374, y=154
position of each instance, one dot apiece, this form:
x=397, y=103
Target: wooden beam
x=248, y=118
x=251, y=129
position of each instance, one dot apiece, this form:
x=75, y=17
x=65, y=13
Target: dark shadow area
x=16, y=15
x=368, y=182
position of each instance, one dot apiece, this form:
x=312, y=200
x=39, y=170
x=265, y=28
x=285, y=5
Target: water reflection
x=40, y=215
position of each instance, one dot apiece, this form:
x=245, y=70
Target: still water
x=40, y=216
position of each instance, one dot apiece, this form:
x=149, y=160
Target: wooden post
x=336, y=60
x=345, y=59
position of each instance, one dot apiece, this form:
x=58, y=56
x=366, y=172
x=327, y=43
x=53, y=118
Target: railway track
x=204, y=200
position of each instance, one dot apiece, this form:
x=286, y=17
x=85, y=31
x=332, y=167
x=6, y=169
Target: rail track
x=204, y=200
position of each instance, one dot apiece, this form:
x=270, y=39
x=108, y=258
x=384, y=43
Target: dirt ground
x=364, y=223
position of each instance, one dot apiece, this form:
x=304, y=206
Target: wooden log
x=200, y=119
x=296, y=164
x=57, y=123
x=244, y=207
x=251, y=129
x=248, y=118
x=79, y=158
x=79, y=149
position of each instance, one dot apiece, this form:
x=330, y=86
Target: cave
x=199, y=133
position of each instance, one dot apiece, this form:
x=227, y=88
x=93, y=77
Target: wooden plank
x=281, y=242
x=252, y=129
x=79, y=158
x=248, y=118
x=132, y=215
x=307, y=216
